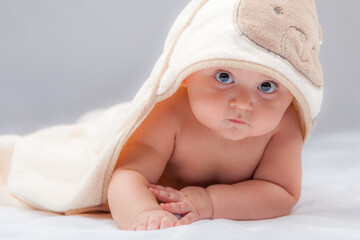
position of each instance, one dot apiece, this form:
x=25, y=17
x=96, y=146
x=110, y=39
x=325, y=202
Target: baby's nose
x=242, y=101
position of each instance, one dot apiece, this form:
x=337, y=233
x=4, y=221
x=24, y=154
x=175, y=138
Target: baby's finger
x=132, y=228
x=165, y=223
x=178, y=207
x=187, y=219
x=153, y=223
x=168, y=189
x=140, y=227
x=166, y=196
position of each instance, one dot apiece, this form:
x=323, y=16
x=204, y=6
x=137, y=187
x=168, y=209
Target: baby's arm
x=276, y=184
x=141, y=162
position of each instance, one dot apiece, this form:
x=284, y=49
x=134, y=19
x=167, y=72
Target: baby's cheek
x=200, y=110
x=206, y=108
x=267, y=121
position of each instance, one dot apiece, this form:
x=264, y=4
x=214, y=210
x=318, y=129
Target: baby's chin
x=233, y=134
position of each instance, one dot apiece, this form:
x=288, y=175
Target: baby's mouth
x=237, y=121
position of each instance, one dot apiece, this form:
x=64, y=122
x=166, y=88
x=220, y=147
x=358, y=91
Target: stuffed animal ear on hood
x=278, y=38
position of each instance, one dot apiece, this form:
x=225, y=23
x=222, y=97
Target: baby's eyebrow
x=270, y=78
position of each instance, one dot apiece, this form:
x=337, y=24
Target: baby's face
x=237, y=103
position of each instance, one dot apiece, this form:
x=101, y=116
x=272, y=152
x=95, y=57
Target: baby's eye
x=267, y=87
x=224, y=77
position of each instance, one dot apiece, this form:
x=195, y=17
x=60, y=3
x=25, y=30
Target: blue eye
x=224, y=77
x=267, y=87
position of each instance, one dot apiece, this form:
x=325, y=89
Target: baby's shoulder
x=167, y=114
x=174, y=107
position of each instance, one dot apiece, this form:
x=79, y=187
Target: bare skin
x=220, y=147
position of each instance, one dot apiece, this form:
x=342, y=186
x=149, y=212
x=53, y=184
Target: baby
x=226, y=143
x=216, y=131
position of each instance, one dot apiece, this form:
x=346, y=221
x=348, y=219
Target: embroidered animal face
x=289, y=29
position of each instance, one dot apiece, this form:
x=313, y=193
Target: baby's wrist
x=202, y=200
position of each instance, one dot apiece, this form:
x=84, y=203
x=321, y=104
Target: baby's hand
x=193, y=202
x=153, y=219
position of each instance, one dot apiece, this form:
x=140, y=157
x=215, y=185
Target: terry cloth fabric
x=68, y=168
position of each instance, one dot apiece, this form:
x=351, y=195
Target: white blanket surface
x=329, y=207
